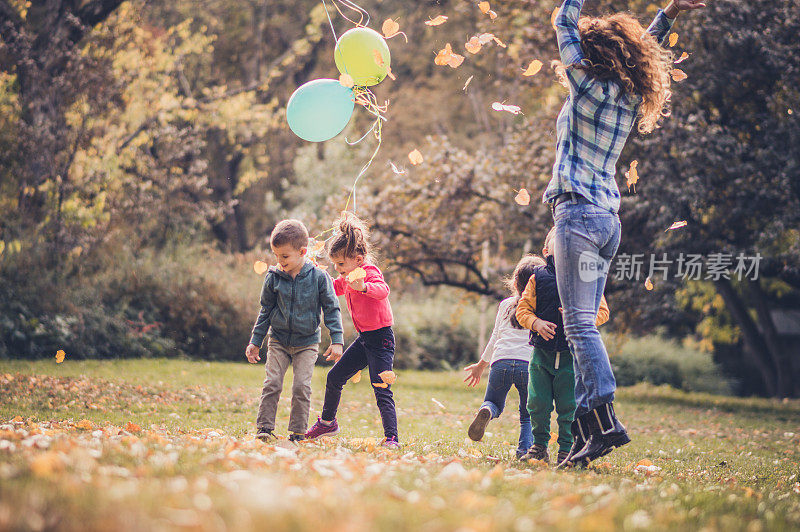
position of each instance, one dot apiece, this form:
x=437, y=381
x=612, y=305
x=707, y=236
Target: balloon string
x=354, y=7
x=333, y=30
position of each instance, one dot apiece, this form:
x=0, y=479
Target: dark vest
x=547, y=305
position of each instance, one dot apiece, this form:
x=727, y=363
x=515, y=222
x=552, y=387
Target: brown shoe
x=478, y=426
x=537, y=452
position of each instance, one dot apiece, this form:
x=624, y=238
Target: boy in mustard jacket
x=551, y=375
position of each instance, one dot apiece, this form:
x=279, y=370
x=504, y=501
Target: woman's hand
x=474, y=372
x=676, y=6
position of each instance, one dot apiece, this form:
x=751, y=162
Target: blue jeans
x=502, y=375
x=586, y=239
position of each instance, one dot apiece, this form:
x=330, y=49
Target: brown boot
x=537, y=452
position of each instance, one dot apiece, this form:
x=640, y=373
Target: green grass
x=726, y=463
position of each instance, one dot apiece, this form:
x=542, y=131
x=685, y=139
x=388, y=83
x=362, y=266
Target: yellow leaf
x=455, y=60
x=500, y=43
x=678, y=74
x=133, y=428
x=676, y=225
x=389, y=377
x=553, y=16
x=484, y=7
x=632, y=176
x=17, y=419
x=60, y=354
x=380, y=385
x=444, y=55
x=355, y=275
x=346, y=80
x=437, y=21
x=648, y=284
x=522, y=197
x=415, y=157
x=473, y=46
x=492, y=15
x=356, y=378
x=260, y=267
x=533, y=68
x=673, y=38
x=84, y=424
x=684, y=56
x=645, y=462
x=390, y=28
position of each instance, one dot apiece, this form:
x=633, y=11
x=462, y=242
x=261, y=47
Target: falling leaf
x=260, y=267
x=355, y=275
x=673, y=38
x=455, y=60
x=486, y=38
x=522, y=197
x=648, y=284
x=380, y=385
x=389, y=377
x=437, y=21
x=395, y=169
x=346, y=80
x=533, y=68
x=676, y=225
x=473, y=46
x=355, y=379
x=684, y=56
x=60, y=354
x=84, y=424
x=467, y=83
x=437, y=403
x=484, y=7
x=390, y=28
x=513, y=109
x=678, y=74
x=553, y=16
x=492, y=15
x=632, y=176
x=415, y=157
x=443, y=57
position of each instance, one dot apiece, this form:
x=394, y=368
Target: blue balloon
x=320, y=109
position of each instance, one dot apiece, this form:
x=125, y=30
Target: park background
x=145, y=157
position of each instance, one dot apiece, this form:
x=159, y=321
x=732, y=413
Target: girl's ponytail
x=352, y=237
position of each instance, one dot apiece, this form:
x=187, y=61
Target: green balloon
x=355, y=55
x=320, y=109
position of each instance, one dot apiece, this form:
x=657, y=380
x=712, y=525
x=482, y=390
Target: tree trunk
x=754, y=345
x=767, y=326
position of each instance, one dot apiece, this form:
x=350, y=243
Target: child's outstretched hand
x=252, y=353
x=334, y=353
x=474, y=372
x=546, y=329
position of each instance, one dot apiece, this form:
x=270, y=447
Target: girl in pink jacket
x=367, y=296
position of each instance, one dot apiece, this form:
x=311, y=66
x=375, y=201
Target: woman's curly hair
x=618, y=48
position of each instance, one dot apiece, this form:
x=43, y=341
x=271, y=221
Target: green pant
x=547, y=384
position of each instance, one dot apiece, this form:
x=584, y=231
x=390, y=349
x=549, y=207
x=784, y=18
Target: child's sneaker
x=320, y=429
x=266, y=435
x=296, y=436
x=537, y=452
x=478, y=426
x=391, y=442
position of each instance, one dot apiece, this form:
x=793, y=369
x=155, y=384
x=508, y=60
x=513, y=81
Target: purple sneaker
x=391, y=442
x=320, y=429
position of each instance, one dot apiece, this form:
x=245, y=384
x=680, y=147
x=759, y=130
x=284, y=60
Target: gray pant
x=302, y=360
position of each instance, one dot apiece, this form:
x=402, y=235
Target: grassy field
x=158, y=444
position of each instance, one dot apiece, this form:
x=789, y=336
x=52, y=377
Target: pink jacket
x=370, y=310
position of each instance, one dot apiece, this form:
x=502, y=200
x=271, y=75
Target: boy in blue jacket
x=293, y=295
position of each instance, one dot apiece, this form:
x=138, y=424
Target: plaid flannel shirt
x=594, y=122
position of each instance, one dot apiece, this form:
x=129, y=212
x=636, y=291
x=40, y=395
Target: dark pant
x=552, y=379
x=373, y=349
x=504, y=374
